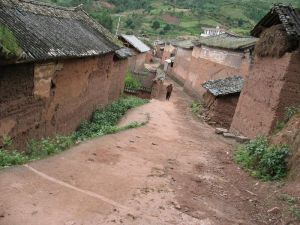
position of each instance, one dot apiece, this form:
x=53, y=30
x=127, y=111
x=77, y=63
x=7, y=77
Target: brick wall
x=272, y=85
x=56, y=97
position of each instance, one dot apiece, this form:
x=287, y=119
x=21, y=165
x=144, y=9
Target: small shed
x=221, y=99
x=141, y=50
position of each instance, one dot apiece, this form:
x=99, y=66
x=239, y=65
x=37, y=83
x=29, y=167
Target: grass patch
x=131, y=82
x=292, y=204
x=103, y=122
x=262, y=160
x=196, y=108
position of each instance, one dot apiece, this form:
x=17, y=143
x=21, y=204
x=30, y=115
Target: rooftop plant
x=9, y=47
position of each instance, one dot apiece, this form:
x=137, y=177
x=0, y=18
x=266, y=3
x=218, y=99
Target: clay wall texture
x=56, y=97
x=221, y=109
x=273, y=85
x=210, y=64
x=181, y=66
x=136, y=63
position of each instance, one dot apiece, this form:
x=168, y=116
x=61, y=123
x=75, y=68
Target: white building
x=210, y=31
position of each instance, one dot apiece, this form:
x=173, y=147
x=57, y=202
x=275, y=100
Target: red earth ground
x=174, y=170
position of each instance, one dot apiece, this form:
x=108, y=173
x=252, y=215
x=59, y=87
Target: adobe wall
x=55, y=97
x=273, y=84
x=136, y=63
x=221, y=109
x=117, y=83
x=210, y=64
x=181, y=65
x=20, y=111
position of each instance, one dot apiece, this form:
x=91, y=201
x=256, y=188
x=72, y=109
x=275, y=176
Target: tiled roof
x=221, y=87
x=45, y=32
x=288, y=16
x=124, y=53
x=136, y=43
x=187, y=44
x=227, y=41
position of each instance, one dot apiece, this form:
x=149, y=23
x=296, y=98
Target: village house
x=142, y=53
x=183, y=55
x=221, y=99
x=67, y=67
x=217, y=57
x=274, y=81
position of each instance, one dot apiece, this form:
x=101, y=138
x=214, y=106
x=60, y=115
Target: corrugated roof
x=221, y=87
x=227, y=41
x=136, y=43
x=288, y=16
x=46, y=32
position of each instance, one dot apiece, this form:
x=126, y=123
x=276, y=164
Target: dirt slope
x=174, y=170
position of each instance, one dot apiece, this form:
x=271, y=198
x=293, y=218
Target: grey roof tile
x=136, y=43
x=222, y=87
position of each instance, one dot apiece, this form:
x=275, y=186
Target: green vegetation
x=131, y=82
x=196, y=108
x=292, y=204
x=262, y=160
x=102, y=122
x=185, y=17
x=9, y=43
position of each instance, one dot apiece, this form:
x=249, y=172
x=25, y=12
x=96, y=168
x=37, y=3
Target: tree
x=155, y=25
x=167, y=27
x=104, y=19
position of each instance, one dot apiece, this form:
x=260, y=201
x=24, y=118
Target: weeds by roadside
x=292, y=204
x=196, y=108
x=262, y=160
x=103, y=122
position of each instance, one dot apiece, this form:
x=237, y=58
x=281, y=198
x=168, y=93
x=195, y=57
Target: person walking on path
x=169, y=91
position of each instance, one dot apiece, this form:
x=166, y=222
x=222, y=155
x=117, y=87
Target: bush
x=131, y=83
x=103, y=121
x=264, y=161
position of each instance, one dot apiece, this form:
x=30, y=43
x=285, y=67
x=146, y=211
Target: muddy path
x=174, y=170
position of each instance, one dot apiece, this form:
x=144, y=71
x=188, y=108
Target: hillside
x=172, y=18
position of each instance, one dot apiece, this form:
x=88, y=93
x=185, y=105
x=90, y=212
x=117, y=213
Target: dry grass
x=274, y=42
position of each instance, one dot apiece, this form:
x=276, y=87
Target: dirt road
x=174, y=170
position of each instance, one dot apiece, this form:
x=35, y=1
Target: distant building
x=67, y=68
x=211, y=31
x=221, y=99
x=274, y=80
x=218, y=57
x=183, y=54
x=142, y=53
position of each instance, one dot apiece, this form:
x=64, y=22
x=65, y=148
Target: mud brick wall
x=273, y=84
x=210, y=64
x=52, y=98
x=221, y=109
x=117, y=79
x=181, y=65
x=136, y=63
x=20, y=111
